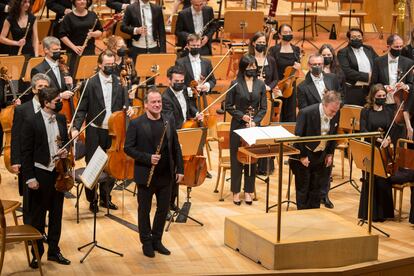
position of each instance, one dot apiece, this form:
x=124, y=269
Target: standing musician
x=375, y=116
x=4, y=12
x=60, y=8
x=174, y=9
x=144, y=21
x=161, y=154
x=286, y=54
x=311, y=169
x=357, y=61
x=60, y=81
x=249, y=93
x=331, y=65
x=196, y=20
x=39, y=150
x=103, y=91
x=119, y=5
x=24, y=41
x=77, y=28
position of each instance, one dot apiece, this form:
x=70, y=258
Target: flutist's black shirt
x=157, y=128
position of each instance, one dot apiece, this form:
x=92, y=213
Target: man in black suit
x=119, y=5
x=144, y=21
x=142, y=139
x=39, y=151
x=357, y=61
x=103, y=92
x=50, y=66
x=61, y=8
x=315, y=157
x=194, y=20
x=316, y=82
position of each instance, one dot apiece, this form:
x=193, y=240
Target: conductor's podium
x=315, y=238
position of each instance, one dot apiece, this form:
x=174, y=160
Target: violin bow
x=406, y=73
x=30, y=87
x=392, y=124
x=267, y=51
x=218, y=98
x=215, y=67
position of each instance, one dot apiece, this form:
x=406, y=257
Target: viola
x=64, y=170
x=68, y=108
x=286, y=84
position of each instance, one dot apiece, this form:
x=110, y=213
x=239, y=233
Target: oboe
x=145, y=25
x=24, y=37
x=157, y=152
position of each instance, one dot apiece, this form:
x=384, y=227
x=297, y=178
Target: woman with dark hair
x=20, y=18
x=408, y=50
x=376, y=116
x=331, y=65
x=247, y=104
x=286, y=54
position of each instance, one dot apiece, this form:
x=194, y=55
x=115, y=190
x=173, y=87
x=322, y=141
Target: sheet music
x=252, y=134
x=94, y=168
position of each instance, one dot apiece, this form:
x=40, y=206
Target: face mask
x=194, y=51
x=380, y=101
x=178, y=86
x=395, y=52
x=287, y=38
x=108, y=70
x=121, y=52
x=316, y=70
x=56, y=55
x=356, y=43
x=327, y=60
x=250, y=73
x=58, y=107
x=260, y=47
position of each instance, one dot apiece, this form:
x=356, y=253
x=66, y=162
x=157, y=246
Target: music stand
x=191, y=140
x=361, y=151
x=86, y=67
x=349, y=22
x=304, y=39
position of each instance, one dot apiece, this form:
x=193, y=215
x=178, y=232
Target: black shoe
x=220, y=111
x=237, y=202
x=173, y=207
x=328, y=204
x=110, y=205
x=93, y=208
x=58, y=257
x=209, y=175
x=148, y=250
x=160, y=248
x=34, y=264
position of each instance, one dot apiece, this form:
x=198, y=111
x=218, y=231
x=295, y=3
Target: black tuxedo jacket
x=117, y=4
x=185, y=26
x=172, y=107
x=43, y=67
x=307, y=92
x=140, y=145
x=349, y=63
x=34, y=143
x=308, y=123
x=59, y=6
x=132, y=19
x=380, y=71
x=206, y=68
x=93, y=101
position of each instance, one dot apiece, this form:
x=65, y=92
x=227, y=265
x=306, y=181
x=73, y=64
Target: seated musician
x=39, y=150
x=376, y=116
x=312, y=167
x=331, y=64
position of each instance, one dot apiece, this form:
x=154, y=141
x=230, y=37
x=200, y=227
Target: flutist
x=142, y=140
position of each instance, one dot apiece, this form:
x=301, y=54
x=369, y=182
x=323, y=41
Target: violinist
x=60, y=8
x=331, y=65
x=376, y=116
x=59, y=79
x=250, y=93
x=286, y=54
x=103, y=91
x=22, y=25
x=39, y=151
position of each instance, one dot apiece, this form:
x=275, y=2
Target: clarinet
x=145, y=25
x=157, y=152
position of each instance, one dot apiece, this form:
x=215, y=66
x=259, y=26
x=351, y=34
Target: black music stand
x=316, y=23
x=349, y=23
x=304, y=39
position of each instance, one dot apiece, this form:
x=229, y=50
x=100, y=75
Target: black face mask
x=260, y=47
x=194, y=51
x=122, y=52
x=327, y=60
x=108, y=69
x=58, y=107
x=250, y=73
x=287, y=38
x=178, y=86
x=380, y=101
x=356, y=43
x=56, y=55
x=316, y=70
x=395, y=52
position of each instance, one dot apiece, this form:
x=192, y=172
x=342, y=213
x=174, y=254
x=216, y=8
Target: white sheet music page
x=252, y=134
x=94, y=167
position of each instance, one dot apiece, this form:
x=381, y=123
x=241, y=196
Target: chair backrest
x=149, y=61
x=253, y=20
x=349, y=118
x=14, y=65
x=405, y=154
x=223, y=135
x=31, y=63
x=221, y=72
x=276, y=110
x=86, y=67
x=348, y=3
x=43, y=27
x=267, y=117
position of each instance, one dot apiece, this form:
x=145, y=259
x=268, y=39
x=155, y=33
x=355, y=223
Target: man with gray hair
x=50, y=66
x=311, y=167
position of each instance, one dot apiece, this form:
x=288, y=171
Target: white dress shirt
x=363, y=62
x=106, y=84
x=181, y=99
x=36, y=104
x=145, y=12
x=55, y=69
x=196, y=66
x=325, y=126
x=198, y=21
x=392, y=69
x=320, y=84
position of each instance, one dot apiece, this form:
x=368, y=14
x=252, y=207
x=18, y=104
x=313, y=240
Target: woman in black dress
x=74, y=30
x=249, y=92
x=331, y=64
x=408, y=50
x=286, y=54
x=376, y=116
x=19, y=19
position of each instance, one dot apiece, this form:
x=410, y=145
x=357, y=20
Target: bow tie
x=52, y=119
x=392, y=61
x=108, y=80
x=325, y=119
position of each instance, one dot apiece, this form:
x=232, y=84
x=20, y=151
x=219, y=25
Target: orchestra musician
x=4, y=12
x=143, y=137
x=408, y=50
x=39, y=149
x=196, y=20
x=174, y=9
x=331, y=65
x=144, y=21
x=286, y=54
x=17, y=22
x=249, y=93
x=103, y=91
x=60, y=81
x=119, y=5
x=357, y=61
x=377, y=116
x=312, y=166
x=60, y=8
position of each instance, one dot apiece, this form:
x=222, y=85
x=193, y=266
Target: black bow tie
x=52, y=119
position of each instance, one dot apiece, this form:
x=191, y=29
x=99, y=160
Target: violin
x=241, y=157
x=64, y=169
x=286, y=84
x=68, y=108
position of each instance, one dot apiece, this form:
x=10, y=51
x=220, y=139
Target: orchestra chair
x=86, y=67
x=359, y=13
x=404, y=159
x=311, y=13
x=267, y=117
x=33, y=62
x=18, y=233
x=14, y=65
x=43, y=28
x=223, y=136
x=148, y=64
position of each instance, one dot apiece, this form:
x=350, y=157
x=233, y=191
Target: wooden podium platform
x=314, y=238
